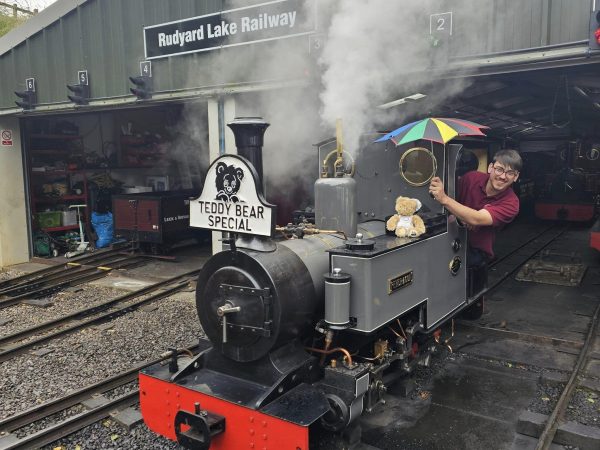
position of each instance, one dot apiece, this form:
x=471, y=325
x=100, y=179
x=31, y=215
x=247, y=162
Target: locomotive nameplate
x=232, y=200
x=400, y=281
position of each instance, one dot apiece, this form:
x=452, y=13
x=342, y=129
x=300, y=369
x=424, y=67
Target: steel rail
x=83, y=419
x=87, y=259
x=99, y=272
x=519, y=336
x=7, y=353
x=74, y=423
x=55, y=323
x=547, y=436
x=51, y=407
x=517, y=266
x=512, y=252
x=72, y=270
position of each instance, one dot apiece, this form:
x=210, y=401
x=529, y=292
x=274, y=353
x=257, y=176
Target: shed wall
x=14, y=246
x=105, y=37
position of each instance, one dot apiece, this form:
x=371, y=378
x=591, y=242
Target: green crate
x=49, y=219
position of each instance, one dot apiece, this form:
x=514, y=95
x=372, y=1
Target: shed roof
x=37, y=23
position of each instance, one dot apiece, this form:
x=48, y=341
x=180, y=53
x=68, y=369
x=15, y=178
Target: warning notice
x=7, y=139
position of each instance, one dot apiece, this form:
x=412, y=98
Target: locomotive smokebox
x=249, y=133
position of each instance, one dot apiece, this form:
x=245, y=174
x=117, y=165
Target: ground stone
x=128, y=417
x=531, y=423
x=575, y=434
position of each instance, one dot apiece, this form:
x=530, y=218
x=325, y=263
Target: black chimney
x=249, y=133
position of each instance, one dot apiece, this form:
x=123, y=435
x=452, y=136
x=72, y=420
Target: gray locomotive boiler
x=310, y=323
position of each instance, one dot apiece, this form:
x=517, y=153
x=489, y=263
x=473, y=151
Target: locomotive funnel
x=249, y=133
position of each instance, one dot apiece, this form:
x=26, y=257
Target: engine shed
x=113, y=101
x=115, y=120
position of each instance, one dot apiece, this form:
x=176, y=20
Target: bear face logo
x=228, y=182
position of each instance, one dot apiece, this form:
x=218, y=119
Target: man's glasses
x=509, y=173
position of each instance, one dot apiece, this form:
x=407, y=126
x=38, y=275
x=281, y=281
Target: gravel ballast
x=93, y=354
x=23, y=316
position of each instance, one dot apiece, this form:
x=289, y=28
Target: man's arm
x=467, y=215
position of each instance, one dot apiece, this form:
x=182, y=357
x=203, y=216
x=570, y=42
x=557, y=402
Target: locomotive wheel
x=338, y=415
x=475, y=311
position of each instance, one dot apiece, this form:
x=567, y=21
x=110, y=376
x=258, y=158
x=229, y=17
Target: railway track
x=11, y=425
x=12, y=345
x=529, y=248
x=72, y=278
x=549, y=432
x=95, y=258
x=508, y=263
x=582, y=348
x=70, y=269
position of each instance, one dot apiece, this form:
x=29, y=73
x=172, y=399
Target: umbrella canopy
x=433, y=129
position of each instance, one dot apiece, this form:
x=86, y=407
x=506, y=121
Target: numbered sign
x=440, y=24
x=316, y=43
x=145, y=68
x=30, y=84
x=82, y=76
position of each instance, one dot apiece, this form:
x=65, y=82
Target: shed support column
x=221, y=110
x=14, y=240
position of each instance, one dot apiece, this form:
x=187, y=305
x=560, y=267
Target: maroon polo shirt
x=502, y=207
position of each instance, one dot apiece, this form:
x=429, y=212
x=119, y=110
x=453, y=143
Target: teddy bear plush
x=405, y=222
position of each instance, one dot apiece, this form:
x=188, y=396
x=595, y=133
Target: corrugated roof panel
x=106, y=38
x=485, y=27
x=570, y=20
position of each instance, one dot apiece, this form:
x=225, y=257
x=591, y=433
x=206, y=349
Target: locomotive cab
x=306, y=333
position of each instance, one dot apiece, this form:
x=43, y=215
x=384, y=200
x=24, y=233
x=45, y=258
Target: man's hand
x=436, y=189
x=472, y=218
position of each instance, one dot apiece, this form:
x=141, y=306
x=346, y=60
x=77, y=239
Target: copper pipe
x=451, y=336
x=346, y=353
x=282, y=231
x=318, y=231
x=402, y=329
x=374, y=358
x=186, y=351
x=310, y=231
x=395, y=332
x=328, y=341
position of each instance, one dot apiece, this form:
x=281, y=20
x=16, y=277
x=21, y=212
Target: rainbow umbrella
x=433, y=129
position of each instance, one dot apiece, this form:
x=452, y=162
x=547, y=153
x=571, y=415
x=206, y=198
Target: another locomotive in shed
x=309, y=324
x=572, y=191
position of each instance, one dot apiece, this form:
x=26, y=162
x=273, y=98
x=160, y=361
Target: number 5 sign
x=440, y=23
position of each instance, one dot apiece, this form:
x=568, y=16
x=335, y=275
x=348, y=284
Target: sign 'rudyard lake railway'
x=258, y=23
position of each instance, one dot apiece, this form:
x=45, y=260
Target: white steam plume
x=374, y=49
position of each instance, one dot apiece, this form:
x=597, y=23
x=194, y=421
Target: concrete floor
x=474, y=401
x=181, y=260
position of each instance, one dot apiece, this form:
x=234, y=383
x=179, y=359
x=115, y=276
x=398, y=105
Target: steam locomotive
x=572, y=192
x=309, y=324
x=595, y=236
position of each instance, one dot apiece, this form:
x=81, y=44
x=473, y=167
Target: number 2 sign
x=440, y=23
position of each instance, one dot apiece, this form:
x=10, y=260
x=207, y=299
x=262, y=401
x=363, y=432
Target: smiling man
x=485, y=202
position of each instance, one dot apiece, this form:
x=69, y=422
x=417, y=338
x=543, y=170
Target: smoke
x=376, y=49
x=189, y=148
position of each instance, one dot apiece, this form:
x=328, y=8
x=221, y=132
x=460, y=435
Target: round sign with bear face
x=232, y=200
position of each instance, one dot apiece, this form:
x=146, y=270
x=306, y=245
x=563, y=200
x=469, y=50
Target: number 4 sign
x=440, y=23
